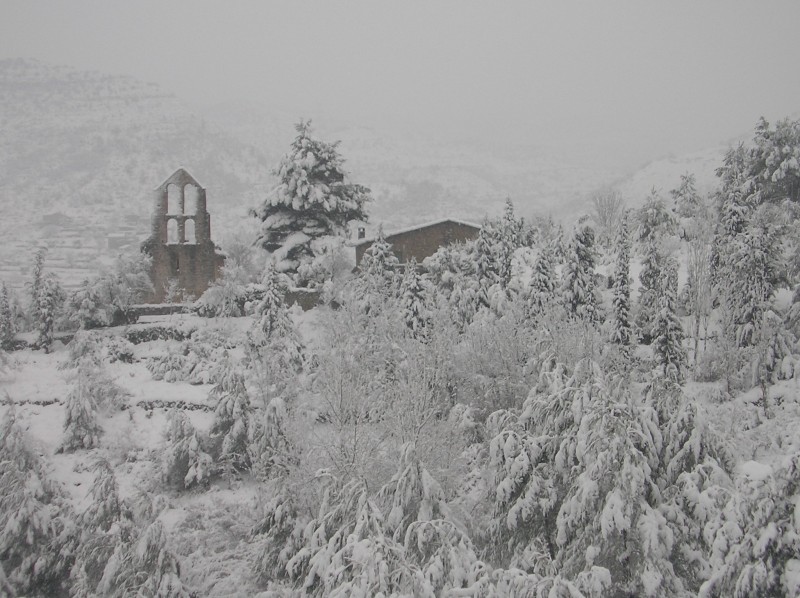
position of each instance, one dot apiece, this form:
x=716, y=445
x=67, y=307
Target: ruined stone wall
x=180, y=241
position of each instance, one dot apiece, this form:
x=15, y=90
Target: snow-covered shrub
x=184, y=463
x=146, y=334
x=492, y=359
x=228, y=296
x=196, y=360
x=168, y=366
x=98, y=348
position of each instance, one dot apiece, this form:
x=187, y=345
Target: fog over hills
x=81, y=152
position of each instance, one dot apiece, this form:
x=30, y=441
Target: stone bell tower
x=180, y=242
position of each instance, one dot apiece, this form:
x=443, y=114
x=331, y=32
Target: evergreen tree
x=146, y=568
x=36, y=523
x=577, y=280
x=754, y=543
x=7, y=326
x=313, y=199
x=274, y=342
x=654, y=223
x=541, y=289
x=413, y=302
x=749, y=274
x=271, y=308
x=81, y=430
x=621, y=332
x=509, y=239
x=231, y=427
x=105, y=527
x=667, y=332
x=485, y=264
x=378, y=272
x=272, y=452
x=47, y=297
x=573, y=485
x=379, y=259
x=184, y=462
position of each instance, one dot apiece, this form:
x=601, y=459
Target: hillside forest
x=608, y=408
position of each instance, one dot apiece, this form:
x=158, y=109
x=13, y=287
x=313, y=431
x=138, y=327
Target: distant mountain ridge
x=93, y=146
x=80, y=153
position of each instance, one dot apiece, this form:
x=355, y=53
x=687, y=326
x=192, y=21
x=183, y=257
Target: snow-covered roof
x=416, y=227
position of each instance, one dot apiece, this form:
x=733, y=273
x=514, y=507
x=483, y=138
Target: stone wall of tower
x=192, y=265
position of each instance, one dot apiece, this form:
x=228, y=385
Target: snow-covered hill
x=80, y=153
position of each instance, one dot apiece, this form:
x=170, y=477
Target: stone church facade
x=184, y=256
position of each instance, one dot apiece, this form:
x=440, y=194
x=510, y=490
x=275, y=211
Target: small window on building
x=188, y=231
x=190, y=196
x=173, y=199
x=172, y=231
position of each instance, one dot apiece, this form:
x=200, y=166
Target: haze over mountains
x=81, y=151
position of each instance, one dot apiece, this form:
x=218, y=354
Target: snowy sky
x=657, y=77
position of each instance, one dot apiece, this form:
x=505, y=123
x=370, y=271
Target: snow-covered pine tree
x=147, y=568
x=184, y=462
x=433, y=541
x=574, y=485
x=483, y=255
x=272, y=452
x=275, y=349
x=541, y=289
x=508, y=239
x=81, y=429
x=754, y=540
x=46, y=298
x=36, y=524
x=231, y=427
x=7, y=326
x=654, y=222
x=413, y=302
x=577, y=280
x=313, y=199
x=378, y=274
x=751, y=271
x=621, y=332
x=667, y=332
x=105, y=528
x=271, y=308
x=379, y=260
x=51, y=298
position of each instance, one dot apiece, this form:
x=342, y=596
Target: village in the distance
x=363, y=365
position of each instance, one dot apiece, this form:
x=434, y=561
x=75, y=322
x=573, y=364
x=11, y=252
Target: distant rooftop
x=409, y=229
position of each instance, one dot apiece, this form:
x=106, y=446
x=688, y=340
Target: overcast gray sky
x=663, y=77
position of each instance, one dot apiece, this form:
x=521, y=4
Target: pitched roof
x=180, y=177
x=417, y=227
